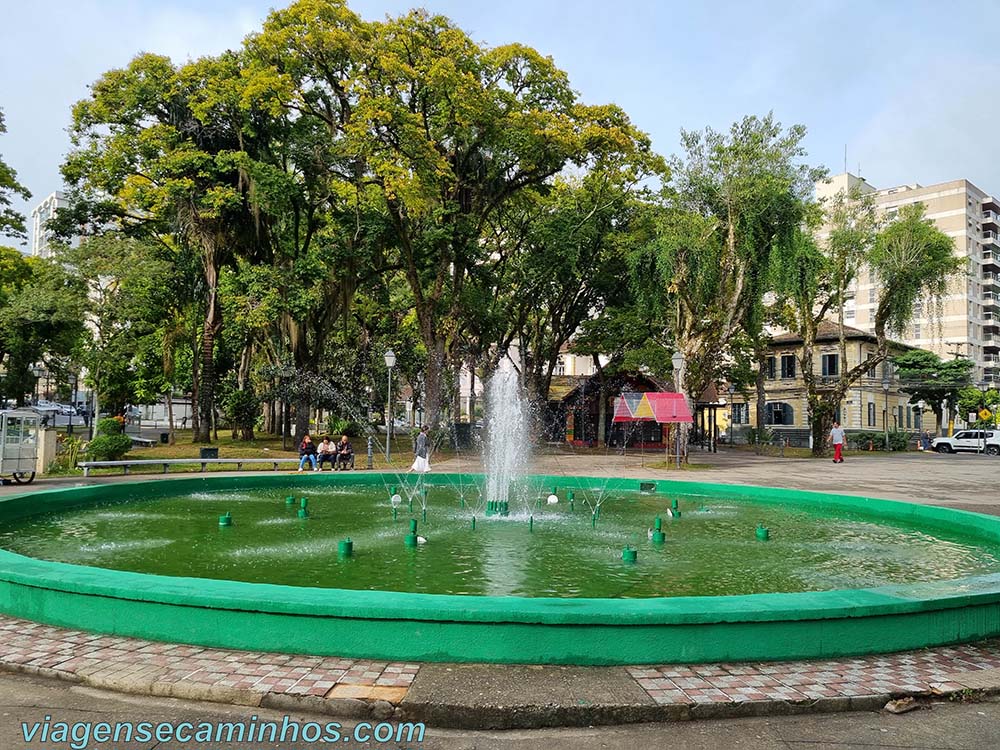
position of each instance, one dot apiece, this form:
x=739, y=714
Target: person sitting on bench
x=345, y=454
x=327, y=451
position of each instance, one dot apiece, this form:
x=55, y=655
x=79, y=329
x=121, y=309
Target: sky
x=911, y=88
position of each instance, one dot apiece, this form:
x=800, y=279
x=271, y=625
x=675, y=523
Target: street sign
x=985, y=414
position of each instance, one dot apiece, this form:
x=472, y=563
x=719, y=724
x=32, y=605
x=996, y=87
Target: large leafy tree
x=936, y=382
x=41, y=319
x=11, y=221
x=129, y=291
x=441, y=132
x=177, y=151
x=909, y=260
x=704, y=263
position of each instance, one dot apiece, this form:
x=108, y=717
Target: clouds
x=907, y=85
x=51, y=52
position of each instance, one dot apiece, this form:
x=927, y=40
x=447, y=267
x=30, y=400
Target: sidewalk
x=494, y=696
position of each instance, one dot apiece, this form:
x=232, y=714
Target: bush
x=108, y=447
x=765, y=436
x=110, y=426
x=338, y=426
x=899, y=440
x=862, y=440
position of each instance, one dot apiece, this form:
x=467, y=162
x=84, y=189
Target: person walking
x=420, y=463
x=837, y=437
x=307, y=452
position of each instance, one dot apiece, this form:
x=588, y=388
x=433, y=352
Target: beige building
x=967, y=324
x=868, y=406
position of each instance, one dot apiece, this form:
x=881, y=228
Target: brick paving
x=134, y=665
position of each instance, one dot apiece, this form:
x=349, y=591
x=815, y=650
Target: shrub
x=765, y=436
x=110, y=426
x=862, y=440
x=899, y=440
x=108, y=447
x=338, y=426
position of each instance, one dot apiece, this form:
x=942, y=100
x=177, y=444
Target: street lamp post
x=390, y=362
x=885, y=412
x=678, y=362
x=732, y=414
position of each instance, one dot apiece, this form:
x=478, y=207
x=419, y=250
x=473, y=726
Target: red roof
x=649, y=407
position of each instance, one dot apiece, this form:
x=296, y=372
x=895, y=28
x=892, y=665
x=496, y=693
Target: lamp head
x=390, y=358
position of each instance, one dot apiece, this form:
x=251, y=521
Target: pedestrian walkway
x=463, y=695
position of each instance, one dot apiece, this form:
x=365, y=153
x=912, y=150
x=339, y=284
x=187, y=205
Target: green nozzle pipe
x=392, y=490
x=394, y=515
x=424, y=515
x=345, y=547
x=226, y=520
x=303, y=513
x=531, y=523
x=673, y=503
x=658, y=524
x=409, y=505
x=629, y=554
x=570, y=495
x=410, y=540
x=304, y=502
x=593, y=521
x=290, y=500
x=461, y=500
x=473, y=523
x=413, y=525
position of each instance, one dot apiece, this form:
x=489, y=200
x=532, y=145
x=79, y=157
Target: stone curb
x=479, y=717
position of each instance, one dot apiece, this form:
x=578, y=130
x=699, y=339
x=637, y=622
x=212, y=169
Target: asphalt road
x=940, y=726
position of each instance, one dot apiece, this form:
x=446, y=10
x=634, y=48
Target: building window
x=788, y=365
x=871, y=368
x=871, y=295
x=741, y=413
x=916, y=330
x=830, y=365
x=871, y=413
x=909, y=418
x=769, y=368
x=560, y=367
x=849, y=313
x=778, y=413
x=899, y=417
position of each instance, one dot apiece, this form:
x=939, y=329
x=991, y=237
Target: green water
x=710, y=550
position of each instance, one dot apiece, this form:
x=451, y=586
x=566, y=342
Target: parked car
x=67, y=410
x=974, y=441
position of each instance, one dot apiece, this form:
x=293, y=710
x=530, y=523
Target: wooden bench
x=166, y=463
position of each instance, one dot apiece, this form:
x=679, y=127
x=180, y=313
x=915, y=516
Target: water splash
x=507, y=437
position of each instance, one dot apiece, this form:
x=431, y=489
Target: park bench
x=166, y=463
x=142, y=442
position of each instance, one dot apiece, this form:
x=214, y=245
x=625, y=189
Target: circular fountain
x=738, y=573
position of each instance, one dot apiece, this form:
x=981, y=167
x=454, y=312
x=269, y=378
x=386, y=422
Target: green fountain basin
x=483, y=594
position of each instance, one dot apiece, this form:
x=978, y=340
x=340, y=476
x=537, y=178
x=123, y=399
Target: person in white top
x=837, y=437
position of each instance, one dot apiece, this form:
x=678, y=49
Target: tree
x=910, y=259
x=174, y=151
x=41, y=318
x=926, y=377
x=972, y=400
x=11, y=222
x=128, y=289
x=704, y=263
x=441, y=132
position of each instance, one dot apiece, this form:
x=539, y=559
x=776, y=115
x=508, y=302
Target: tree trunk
x=433, y=382
x=195, y=387
x=206, y=393
x=759, y=385
x=170, y=418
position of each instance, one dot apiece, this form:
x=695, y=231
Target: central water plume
x=507, y=437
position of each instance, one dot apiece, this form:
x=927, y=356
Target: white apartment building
x=969, y=321
x=41, y=238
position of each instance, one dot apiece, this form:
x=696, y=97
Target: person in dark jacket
x=307, y=451
x=345, y=453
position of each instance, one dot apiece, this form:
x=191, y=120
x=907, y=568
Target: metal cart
x=19, y=432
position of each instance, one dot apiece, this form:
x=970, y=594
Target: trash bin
x=164, y=437
x=209, y=452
